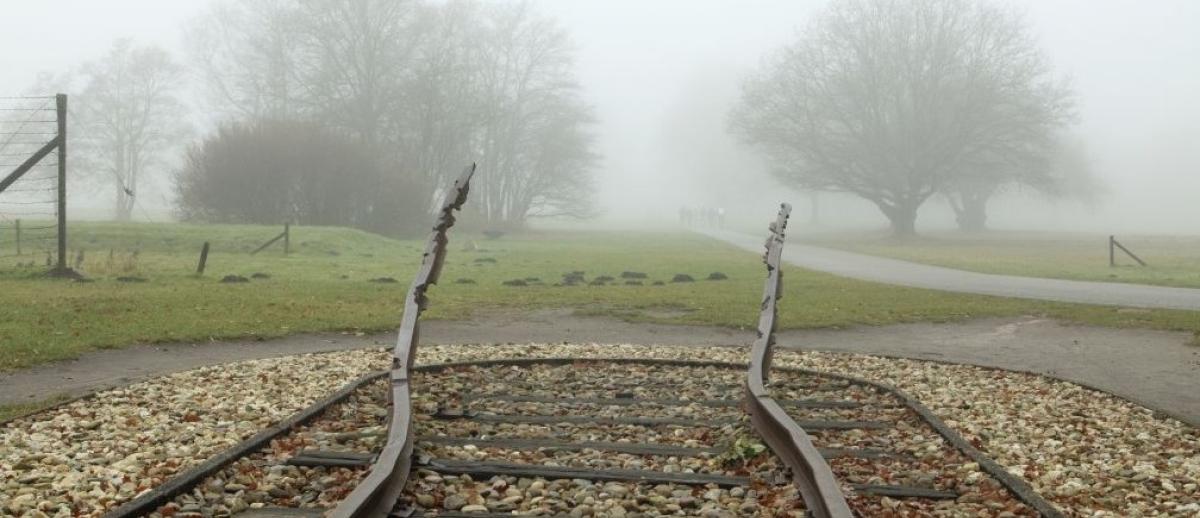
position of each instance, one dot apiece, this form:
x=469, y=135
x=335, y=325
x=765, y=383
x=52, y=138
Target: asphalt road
x=904, y=273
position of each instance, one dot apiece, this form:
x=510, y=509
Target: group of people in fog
x=710, y=217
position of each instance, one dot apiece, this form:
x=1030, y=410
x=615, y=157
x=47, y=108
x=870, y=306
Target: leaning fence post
x=271, y=242
x=203, y=259
x=1130, y=252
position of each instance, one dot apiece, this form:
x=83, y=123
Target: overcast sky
x=1135, y=65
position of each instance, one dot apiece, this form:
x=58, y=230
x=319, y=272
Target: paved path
x=1155, y=368
x=904, y=273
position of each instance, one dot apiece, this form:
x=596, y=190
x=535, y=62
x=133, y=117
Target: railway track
x=599, y=437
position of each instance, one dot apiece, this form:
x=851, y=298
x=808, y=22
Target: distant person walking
x=686, y=216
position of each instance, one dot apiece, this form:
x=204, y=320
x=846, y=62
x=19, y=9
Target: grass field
x=325, y=285
x=1172, y=261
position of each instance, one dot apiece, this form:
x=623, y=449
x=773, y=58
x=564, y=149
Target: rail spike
x=378, y=492
x=820, y=490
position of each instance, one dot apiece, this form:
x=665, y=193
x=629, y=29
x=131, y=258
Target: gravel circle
x=483, y=390
x=1090, y=453
x=96, y=453
x=919, y=456
x=264, y=479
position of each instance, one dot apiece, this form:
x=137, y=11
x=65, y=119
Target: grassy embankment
x=325, y=286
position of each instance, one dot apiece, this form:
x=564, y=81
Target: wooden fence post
x=61, y=111
x=18, y=236
x=287, y=238
x=1112, y=257
x=203, y=259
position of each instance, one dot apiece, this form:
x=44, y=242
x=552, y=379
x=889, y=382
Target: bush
x=270, y=172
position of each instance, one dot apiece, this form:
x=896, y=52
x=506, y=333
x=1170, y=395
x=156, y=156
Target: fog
x=662, y=77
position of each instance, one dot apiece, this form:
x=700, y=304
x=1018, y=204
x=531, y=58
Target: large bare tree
x=535, y=154
x=895, y=101
x=129, y=115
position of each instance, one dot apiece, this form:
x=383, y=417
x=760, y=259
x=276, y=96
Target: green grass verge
x=324, y=286
x=8, y=412
x=1172, y=261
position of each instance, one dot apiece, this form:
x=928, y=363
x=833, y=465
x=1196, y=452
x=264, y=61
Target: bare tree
x=1058, y=169
x=438, y=115
x=534, y=147
x=337, y=60
x=1071, y=174
x=557, y=180
x=895, y=101
x=247, y=55
x=424, y=86
x=129, y=116
x=357, y=53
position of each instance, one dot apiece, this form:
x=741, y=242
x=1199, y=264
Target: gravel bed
x=1090, y=453
x=580, y=381
x=662, y=434
x=588, y=459
x=264, y=479
x=94, y=454
x=783, y=389
x=691, y=411
x=541, y=497
x=579, y=497
x=923, y=458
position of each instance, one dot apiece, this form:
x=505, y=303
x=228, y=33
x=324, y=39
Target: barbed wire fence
x=33, y=182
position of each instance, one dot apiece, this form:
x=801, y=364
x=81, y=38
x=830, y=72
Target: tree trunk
x=970, y=209
x=973, y=216
x=903, y=218
x=124, y=205
x=815, y=214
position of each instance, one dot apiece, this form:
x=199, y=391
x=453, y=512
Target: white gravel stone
x=92, y=455
x=1090, y=453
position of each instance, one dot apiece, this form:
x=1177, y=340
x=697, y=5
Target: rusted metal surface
x=822, y=495
x=376, y=495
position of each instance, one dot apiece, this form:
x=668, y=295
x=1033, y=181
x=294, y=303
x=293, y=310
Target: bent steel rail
x=378, y=492
x=813, y=476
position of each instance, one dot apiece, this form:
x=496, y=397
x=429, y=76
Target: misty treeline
x=419, y=89
x=360, y=112
x=899, y=101
x=126, y=116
